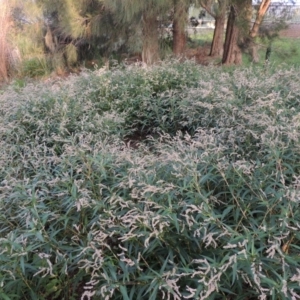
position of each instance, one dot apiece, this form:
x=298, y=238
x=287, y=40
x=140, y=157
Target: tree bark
x=232, y=52
x=218, y=38
x=4, y=46
x=50, y=40
x=253, y=51
x=253, y=48
x=150, y=52
x=263, y=7
x=179, y=22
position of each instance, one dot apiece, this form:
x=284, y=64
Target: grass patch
x=200, y=39
x=205, y=207
x=285, y=51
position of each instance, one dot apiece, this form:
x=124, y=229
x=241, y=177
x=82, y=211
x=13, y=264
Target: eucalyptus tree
x=240, y=32
x=218, y=10
x=4, y=47
x=180, y=18
x=254, y=30
x=262, y=9
x=236, y=30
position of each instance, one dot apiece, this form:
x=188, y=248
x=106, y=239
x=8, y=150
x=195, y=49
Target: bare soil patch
x=293, y=31
x=200, y=55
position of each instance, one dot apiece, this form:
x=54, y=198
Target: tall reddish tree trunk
x=150, y=51
x=218, y=12
x=263, y=7
x=179, y=23
x=253, y=48
x=232, y=52
x=218, y=38
x=4, y=46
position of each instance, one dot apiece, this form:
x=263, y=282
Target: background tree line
x=66, y=33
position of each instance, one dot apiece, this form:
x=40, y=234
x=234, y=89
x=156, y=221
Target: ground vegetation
x=158, y=183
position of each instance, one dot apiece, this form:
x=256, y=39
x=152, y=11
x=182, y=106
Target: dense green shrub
x=204, y=207
x=35, y=67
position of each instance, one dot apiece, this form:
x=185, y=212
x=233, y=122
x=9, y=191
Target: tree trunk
x=179, y=34
x=50, y=40
x=263, y=7
x=232, y=52
x=150, y=52
x=4, y=46
x=253, y=48
x=218, y=39
x=253, y=51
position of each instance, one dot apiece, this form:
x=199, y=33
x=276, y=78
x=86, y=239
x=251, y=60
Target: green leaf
x=227, y=211
x=123, y=291
x=22, y=264
x=39, y=236
x=4, y=297
x=234, y=273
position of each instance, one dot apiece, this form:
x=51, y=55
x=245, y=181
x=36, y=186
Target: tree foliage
x=62, y=34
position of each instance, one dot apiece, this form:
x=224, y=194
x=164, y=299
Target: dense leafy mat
x=206, y=206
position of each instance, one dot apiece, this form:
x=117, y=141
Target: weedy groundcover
x=204, y=206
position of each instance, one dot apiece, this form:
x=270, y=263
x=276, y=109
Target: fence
x=289, y=13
